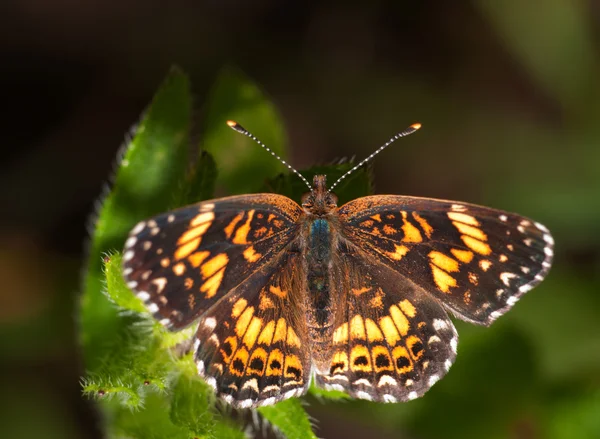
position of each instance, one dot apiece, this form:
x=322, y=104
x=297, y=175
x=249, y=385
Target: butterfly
x=355, y=298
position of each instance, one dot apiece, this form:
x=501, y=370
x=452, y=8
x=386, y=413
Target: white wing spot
x=210, y=323
x=128, y=255
x=454, y=344
x=132, y=284
x=503, y=218
x=409, y=382
x=171, y=218
x=146, y=246
x=525, y=269
x=412, y=395
x=447, y=365
x=160, y=284
x=389, y=398
x=153, y=308
x=138, y=228
x=440, y=324
x=434, y=339
x=512, y=300
x=130, y=241
x=143, y=296
x=386, y=379
x=364, y=395
x=506, y=277
x=433, y=379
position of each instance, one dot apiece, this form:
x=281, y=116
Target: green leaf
x=152, y=166
x=290, y=418
x=115, y=285
x=242, y=164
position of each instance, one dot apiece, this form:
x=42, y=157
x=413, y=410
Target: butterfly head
x=319, y=201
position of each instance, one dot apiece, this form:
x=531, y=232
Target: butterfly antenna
x=411, y=129
x=240, y=129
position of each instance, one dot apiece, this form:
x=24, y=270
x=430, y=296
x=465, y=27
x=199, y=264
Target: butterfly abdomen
x=318, y=255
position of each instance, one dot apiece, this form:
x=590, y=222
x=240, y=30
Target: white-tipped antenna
x=411, y=129
x=240, y=129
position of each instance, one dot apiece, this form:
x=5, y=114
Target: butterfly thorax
x=320, y=207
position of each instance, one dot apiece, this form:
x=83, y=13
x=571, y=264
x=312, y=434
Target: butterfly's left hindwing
x=182, y=262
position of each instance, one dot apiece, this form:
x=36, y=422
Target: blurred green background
x=509, y=97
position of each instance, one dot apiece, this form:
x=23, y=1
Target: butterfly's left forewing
x=183, y=262
x=475, y=260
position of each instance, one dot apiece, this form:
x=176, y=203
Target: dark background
x=509, y=97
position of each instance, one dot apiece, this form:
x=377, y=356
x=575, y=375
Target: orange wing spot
x=196, y=232
x=187, y=249
x=477, y=246
x=202, y=218
x=210, y=287
x=357, y=328
x=503, y=258
x=191, y=300
x=258, y=233
x=467, y=297
x=210, y=267
x=485, y=264
x=415, y=347
x=195, y=259
x=257, y=362
x=443, y=261
x=465, y=256
x=473, y=278
x=238, y=307
x=242, y=232
x=408, y=308
x=382, y=359
x=271, y=217
x=266, y=335
x=252, y=332
x=411, y=233
x=239, y=361
x=188, y=283
x=367, y=224
x=377, y=218
x=293, y=369
x=389, y=330
x=402, y=360
x=470, y=230
x=339, y=363
x=442, y=279
x=400, y=320
x=463, y=218
x=399, y=252
x=424, y=224
x=165, y=262
x=179, y=268
x=243, y=321
x=373, y=332
x=389, y=230
x=251, y=255
x=377, y=300
x=360, y=359
x=231, y=226
x=358, y=292
x=228, y=347
x=280, y=331
x=340, y=335
x=275, y=363
x=292, y=338
x=265, y=302
x=277, y=291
